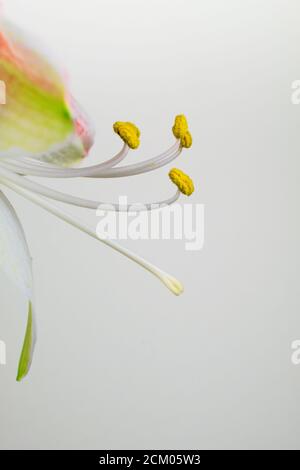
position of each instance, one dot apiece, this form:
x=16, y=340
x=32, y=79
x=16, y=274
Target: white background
x=120, y=362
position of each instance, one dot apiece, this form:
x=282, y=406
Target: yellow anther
x=129, y=133
x=180, y=126
x=181, y=131
x=183, y=182
x=187, y=140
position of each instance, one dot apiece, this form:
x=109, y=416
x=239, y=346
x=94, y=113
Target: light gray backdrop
x=120, y=362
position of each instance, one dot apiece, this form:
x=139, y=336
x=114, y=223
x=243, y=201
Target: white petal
x=15, y=261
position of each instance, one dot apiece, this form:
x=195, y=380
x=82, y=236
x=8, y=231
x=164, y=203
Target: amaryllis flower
x=45, y=133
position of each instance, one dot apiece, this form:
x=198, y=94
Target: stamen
x=169, y=281
x=181, y=131
x=38, y=168
x=86, y=203
x=95, y=172
x=129, y=133
x=183, y=182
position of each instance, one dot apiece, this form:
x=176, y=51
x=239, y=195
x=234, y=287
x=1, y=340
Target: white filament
x=38, y=168
x=169, y=281
x=76, y=201
x=98, y=171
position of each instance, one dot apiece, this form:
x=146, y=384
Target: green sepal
x=26, y=354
